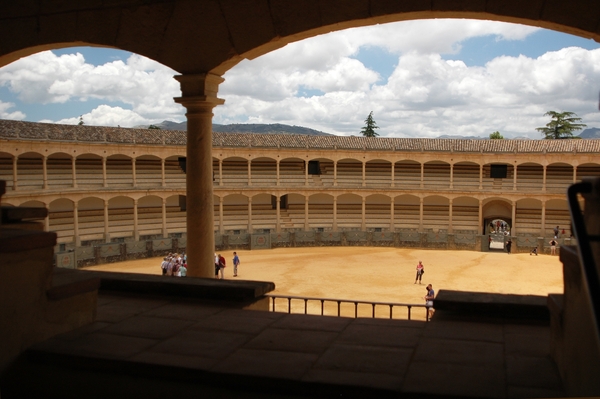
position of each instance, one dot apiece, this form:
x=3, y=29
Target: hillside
x=276, y=128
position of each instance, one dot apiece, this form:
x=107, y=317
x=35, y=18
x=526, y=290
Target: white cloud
x=105, y=115
x=6, y=114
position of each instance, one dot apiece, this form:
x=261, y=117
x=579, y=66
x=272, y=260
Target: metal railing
x=339, y=302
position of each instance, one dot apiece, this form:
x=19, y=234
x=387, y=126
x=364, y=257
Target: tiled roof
x=90, y=134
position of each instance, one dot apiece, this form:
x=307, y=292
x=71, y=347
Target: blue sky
x=420, y=78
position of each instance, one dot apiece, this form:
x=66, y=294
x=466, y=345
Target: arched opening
x=89, y=172
x=320, y=212
x=263, y=171
x=30, y=171
x=59, y=170
x=60, y=213
x=149, y=209
x=378, y=173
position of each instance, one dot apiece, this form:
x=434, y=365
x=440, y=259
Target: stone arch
x=528, y=216
x=120, y=217
x=407, y=211
x=495, y=208
x=557, y=215
x=263, y=171
x=89, y=171
x=61, y=220
x=378, y=212
x=436, y=213
x=349, y=211
x=436, y=174
x=30, y=171
x=6, y=169
x=559, y=176
x=59, y=167
x=407, y=173
x=465, y=214
x=320, y=211
x=148, y=171
x=530, y=176
x=465, y=175
x=292, y=171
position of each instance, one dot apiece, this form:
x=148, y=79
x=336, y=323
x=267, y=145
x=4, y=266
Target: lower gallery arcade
x=110, y=185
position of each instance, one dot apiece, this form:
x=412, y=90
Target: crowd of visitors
x=174, y=264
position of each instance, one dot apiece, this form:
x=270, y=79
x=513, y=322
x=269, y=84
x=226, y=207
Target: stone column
x=250, y=172
x=15, y=185
x=543, y=222
x=306, y=228
x=480, y=177
x=392, y=227
x=47, y=221
x=393, y=182
x=451, y=176
x=277, y=168
x=162, y=173
x=104, y=174
x=450, y=229
x=249, y=215
x=363, y=223
x=136, y=231
x=277, y=213
x=513, y=229
x=515, y=178
x=74, y=171
x=77, y=239
x=544, y=180
x=106, y=230
x=220, y=173
x=164, y=218
x=334, y=173
x=364, y=168
x=422, y=174
x=221, y=223
x=199, y=97
x=306, y=173
x=133, y=174
x=575, y=174
x=480, y=216
x=421, y=212
x=45, y=172
x=334, y=227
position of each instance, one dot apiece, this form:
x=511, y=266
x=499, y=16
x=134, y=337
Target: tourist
x=556, y=232
x=508, y=246
x=175, y=271
x=420, y=271
x=216, y=266
x=534, y=251
x=236, y=263
x=552, y=247
x=183, y=270
x=221, y=266
x=429, y=300
x=163, y=265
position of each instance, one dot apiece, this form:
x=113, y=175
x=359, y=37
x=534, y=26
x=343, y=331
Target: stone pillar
x=544, y=180
x=364, y=167
x=363, y=224
x=74, y=171
x=136, y=231
x=306, y=173
x=421, y=211
x=106, y=230
x=515, y=178
x=15, y=185
x=306, y=227
x=199, y=97
x=480, y=216
x=77, y=239
x=221, y=223
x=451, y=176
x=334, y=227
x=220, y=173
x=393, y=182
x=45, y=172
x=162, y=173
x=164, y=217
x=277, y=167
x=47, y=221
x=392, y=227
x=249, y=215
x=480, y=177
x=334, y=173
x=133, y=173
x=513, y=229
x=250, y=172
x=543, y=221
x=450, y=229
x=422, y=175
x=104, y=175
x=277, y=213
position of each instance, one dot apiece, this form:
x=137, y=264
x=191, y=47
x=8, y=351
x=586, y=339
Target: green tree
x=496, y=136
x=562, y=125
x=369, y=129
x=154, y=127
x=81, y=123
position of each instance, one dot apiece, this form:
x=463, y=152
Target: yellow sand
x=382, y=274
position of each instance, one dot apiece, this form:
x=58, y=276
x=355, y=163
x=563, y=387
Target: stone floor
x=286, y=355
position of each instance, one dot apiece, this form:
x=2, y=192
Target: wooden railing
x=322, y=301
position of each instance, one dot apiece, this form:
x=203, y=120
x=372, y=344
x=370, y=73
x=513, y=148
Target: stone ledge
x=506, y=306
x=13, y=240
x=189, y=287
x=67, y=283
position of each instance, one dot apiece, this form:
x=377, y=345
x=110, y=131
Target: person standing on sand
x=236, y=263
x=508, y=246
x=552, y=247
x=420, y=271
x=429, y=300
x=221, y=267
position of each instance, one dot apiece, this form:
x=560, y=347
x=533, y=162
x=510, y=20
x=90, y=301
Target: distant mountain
x=447, y=136
x=591, y=133
x=276, y=128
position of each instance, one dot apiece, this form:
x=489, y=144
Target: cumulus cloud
x=320, y=83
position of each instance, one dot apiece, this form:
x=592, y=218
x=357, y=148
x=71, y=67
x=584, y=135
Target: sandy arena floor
x=382, y=274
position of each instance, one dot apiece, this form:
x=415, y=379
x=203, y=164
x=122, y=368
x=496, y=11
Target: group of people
x=220, y=265
x=430, y=292
x=174, y=265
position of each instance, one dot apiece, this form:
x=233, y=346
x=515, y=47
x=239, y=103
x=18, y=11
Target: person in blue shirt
x=236, y=262
x=429, y=300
